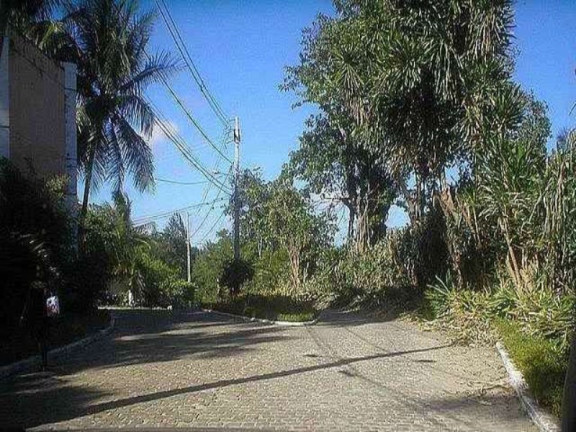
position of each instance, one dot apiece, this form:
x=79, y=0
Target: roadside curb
x=544, y=421
x=35, y=361
x=265, y=321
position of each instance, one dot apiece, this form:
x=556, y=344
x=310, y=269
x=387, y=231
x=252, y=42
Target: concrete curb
x=265, y=321
x=545, y=422
x=35, y=361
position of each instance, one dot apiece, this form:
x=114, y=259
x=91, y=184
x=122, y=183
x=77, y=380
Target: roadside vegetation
x=416, y=109
x=95, y=254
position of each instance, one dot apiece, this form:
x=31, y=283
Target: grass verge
x=541, y=363
x=18, y=343
x=275, y=308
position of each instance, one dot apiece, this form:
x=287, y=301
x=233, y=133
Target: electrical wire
x=181, y=46
x=149, y=218
x=181, y=183
x=181, y=145
x=209, y=211
x=211, y=229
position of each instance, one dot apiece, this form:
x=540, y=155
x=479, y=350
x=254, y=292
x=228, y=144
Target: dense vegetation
x=100, y=255
x=416, y=108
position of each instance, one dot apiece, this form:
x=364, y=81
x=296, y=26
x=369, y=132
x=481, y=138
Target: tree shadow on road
x=82, y=406
x=140, y=338
x=170, y=337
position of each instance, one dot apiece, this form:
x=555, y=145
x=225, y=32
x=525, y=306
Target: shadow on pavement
x=93, y=409
x=140, y=337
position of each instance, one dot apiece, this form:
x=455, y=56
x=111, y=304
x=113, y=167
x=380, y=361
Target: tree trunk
x=351, y=221
x=294, y=258
x=85, y=198
x=569, y=400
x=361, y=227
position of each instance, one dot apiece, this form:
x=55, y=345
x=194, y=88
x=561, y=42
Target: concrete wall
x=37, y=110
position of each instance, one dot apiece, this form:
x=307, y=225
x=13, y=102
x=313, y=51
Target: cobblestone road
x=206, y=372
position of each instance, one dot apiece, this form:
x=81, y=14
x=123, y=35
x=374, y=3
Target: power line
x=181, y=145
x=181, y=46
x=181, y=183
x=194, y=70
x=192, y=119
x=201, y=84
x=209, y=211
x=149, y=218
x=212, y=228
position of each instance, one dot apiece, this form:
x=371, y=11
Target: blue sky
x=241, y=49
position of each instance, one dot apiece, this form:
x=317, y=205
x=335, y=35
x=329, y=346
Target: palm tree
x=114, y=119
x=125, y=245
x=24, y=14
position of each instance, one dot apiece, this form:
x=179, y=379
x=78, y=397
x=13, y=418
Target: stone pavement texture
x=206, y=372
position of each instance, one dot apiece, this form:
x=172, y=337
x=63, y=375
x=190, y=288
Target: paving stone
x=199, y=370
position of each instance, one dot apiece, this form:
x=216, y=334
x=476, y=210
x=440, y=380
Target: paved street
x=204, y=371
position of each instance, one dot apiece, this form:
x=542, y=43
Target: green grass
x=542, y=365
x=276, y=308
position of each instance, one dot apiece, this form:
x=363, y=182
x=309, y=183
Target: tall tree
x=335, y=156
x=171, y=244
x=414, y=83
x=114, y=118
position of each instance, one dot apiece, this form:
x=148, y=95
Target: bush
x=271, y=271
x=158, y=280
x=181, y=293
x=235, y=274
x=272, y=307
x=535, y=326
x=208, y=268
x=35, y=236
x=541, y=313
x=377, y=277
x=91, y=274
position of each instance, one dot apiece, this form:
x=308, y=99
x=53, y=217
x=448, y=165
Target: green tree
x=31, y=17
x=414, y=83
x=279, y=217
x=125, y=243
x=35, y=235
x=114, y=119
x=336, y=155
x=170, y=245
x=209, y=267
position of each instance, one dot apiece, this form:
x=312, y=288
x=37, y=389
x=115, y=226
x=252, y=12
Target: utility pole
x=236, y=191
x=188, y=247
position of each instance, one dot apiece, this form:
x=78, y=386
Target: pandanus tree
x=336, y=157
x=109, y=39
x=412, y=83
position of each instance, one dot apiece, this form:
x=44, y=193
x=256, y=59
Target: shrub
x=35, y=236
x=466, y=311
x=90, y=275
x=272, y=307
x=158, y=280
x=376, y=277
x=208, y=267
x=181, y=293
x=235, y=274
x=541, y=313
x=271, y=271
